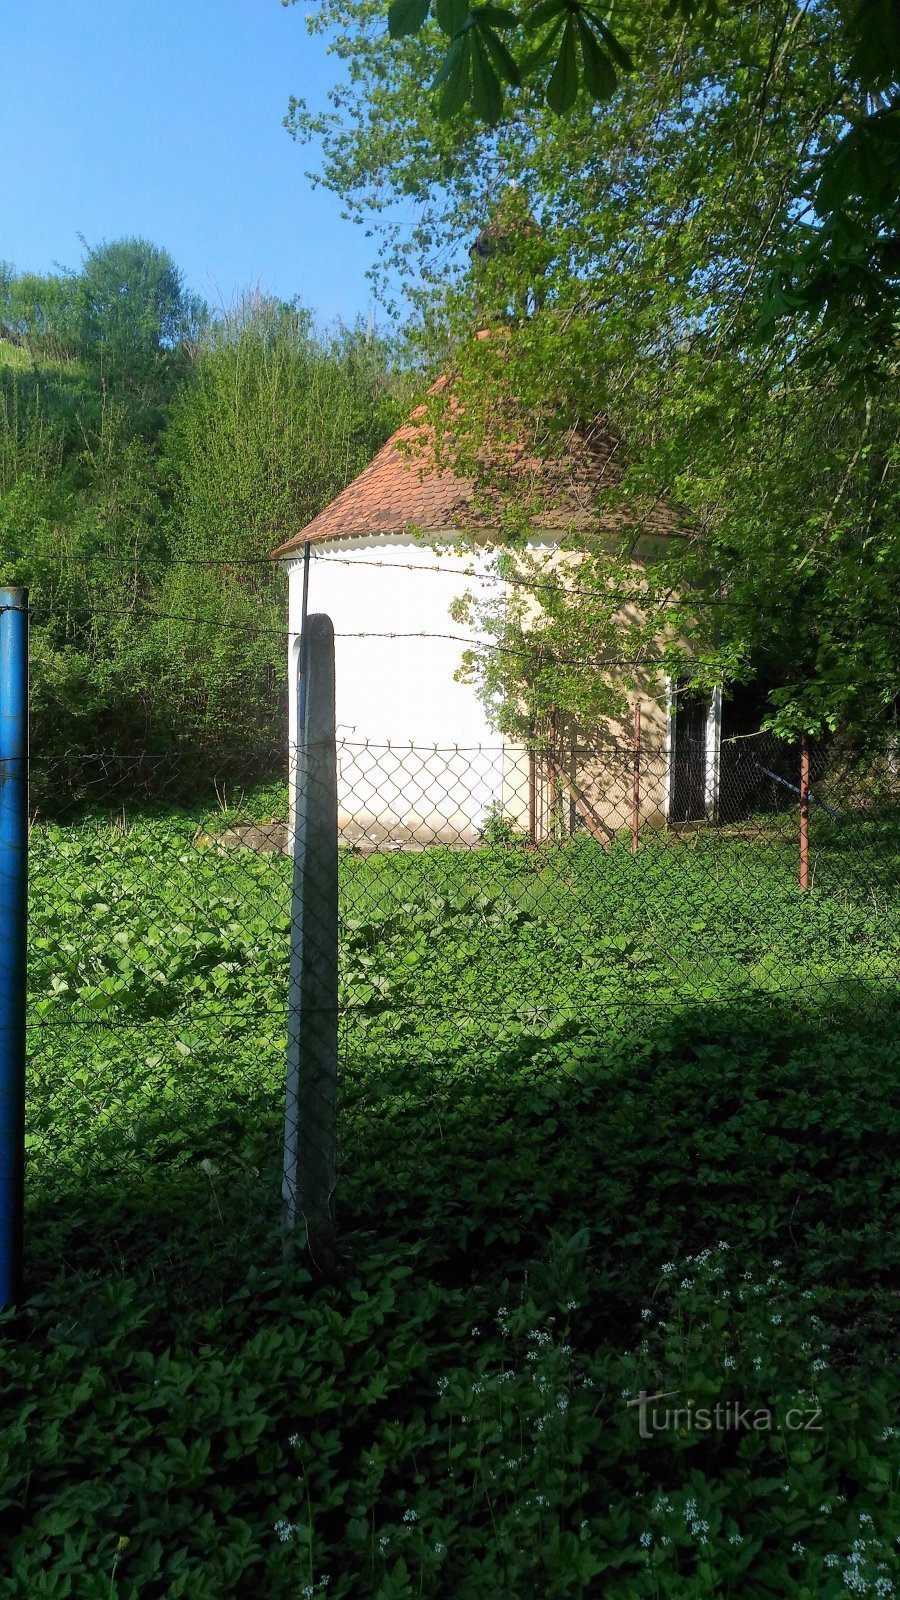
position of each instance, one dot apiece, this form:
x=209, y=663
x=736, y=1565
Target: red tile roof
x=396, y=491
x=402, y=489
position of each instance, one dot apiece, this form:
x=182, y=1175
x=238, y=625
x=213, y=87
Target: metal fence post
x=13, y=930
x=636, y=781
x=532, y=786
x=804, y=811
x=310, y=1127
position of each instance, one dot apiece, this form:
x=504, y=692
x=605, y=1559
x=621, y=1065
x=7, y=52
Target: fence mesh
x=504, y=917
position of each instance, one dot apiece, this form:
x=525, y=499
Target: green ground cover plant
x=610, y=1124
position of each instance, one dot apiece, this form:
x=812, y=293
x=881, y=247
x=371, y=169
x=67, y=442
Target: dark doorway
x=751, y=762
x=687, y=758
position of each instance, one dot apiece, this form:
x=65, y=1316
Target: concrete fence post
x=310, y=1126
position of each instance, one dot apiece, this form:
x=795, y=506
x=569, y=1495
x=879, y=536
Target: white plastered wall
x=418, y=759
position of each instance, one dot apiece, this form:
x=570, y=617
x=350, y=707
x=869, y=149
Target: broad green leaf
x=450, y=63
x=487, y=96
x=458, y=77
x=545, y=12
x=563, y=86
x=503, y=61
x=599, y=72
x=406, y=16
x=842, y=172
x=617, y=51
x=496, y=16
x=876, y=27
x=452, y=15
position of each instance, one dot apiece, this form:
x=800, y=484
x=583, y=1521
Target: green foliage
x=133, y=304
x=637, y=303
x=571, y=1079
x=478, y=61
x=847, y=269
x=150, y=459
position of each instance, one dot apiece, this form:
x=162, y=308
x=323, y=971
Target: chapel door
x=687, y=757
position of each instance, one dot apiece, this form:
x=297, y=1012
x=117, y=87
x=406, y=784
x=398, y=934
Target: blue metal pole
x=13, y=925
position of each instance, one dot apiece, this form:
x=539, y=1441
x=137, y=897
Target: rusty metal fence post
x=636, y=781
x=804, y=812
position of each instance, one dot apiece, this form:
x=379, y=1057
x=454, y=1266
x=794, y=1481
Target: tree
x=660, y=217
x=276, y=420
x=141, y=490
x=134, y=305
x=843, y=268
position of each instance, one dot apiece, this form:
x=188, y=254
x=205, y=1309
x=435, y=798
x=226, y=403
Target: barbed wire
x=550, y=586
x=686, y=663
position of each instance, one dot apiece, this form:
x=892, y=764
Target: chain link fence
x=503, y=914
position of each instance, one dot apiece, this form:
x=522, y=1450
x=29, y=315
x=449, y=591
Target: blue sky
x=164, y=118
